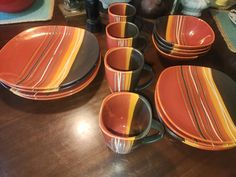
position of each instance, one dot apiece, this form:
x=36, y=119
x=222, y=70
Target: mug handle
x=148, y=68
x=170, y=132
x=155, y=137
x=142, y=43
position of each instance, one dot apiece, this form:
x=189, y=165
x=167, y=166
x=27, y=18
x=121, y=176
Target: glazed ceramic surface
x=176, y=49
x=125, y=119
x=123, y=67
x=75, y=88
x=121, y=34
x=170, y=56
x=15, y=5
x=48, y=57
x=197, y=103
x=184, y=31
x=201, y=144
x=121, y=12
x=55, y=90
x=177, y=52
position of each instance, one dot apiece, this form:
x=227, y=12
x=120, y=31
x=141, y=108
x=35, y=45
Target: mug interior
x=122, y=9
x=126, y=115
x=125, y=59
x=122, y=30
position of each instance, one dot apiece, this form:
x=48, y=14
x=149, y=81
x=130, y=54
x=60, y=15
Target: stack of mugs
x=125, y=117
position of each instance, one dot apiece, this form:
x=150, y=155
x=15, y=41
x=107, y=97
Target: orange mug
x=124, y=34
x=121, y=12
x=123, y=68
x=125, y=120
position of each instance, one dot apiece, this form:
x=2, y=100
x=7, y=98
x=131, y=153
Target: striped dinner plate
x=48, y=58
x=198, y=105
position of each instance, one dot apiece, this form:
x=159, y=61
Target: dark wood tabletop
x=61, y=138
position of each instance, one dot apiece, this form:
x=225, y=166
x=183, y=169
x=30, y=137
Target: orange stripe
x=132, y=104
x=68, y=59
x=33, y=57
x=127, y=65
x=220, y=108
x=169, y=28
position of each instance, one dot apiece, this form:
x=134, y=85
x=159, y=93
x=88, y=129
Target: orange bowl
x=184, y=32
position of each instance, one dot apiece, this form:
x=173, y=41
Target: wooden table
x=61, y=138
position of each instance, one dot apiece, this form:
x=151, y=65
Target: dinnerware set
x=178, y=37
x=196, y=104
x=49, y=62
x=191, y=101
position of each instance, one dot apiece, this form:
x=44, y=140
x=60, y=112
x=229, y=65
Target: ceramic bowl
x=173, y=51
x=184, y=32
x=171, y=56
x=15, y=5
x=174, y=48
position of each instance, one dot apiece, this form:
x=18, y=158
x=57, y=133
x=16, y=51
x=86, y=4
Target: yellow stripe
x=63, y=59
x=123, y=26
x=220, y=108
x=129, y=81
x=68, y=59
x=130, y=42
x=132, y=105
x=127, y=64
x=125, y=7
x=192, y=144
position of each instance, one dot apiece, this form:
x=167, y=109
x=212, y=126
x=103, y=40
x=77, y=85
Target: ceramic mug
x=125, y=120
x=123, y=67
x=124, y=34
x=121, y=12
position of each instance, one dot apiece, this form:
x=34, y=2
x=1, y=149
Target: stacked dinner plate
x=178, y=37
x=197, y=105
x=49, y=62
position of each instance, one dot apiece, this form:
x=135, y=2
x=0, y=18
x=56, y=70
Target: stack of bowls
x=179, y=37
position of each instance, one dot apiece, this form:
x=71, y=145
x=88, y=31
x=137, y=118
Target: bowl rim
x=186, y=46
